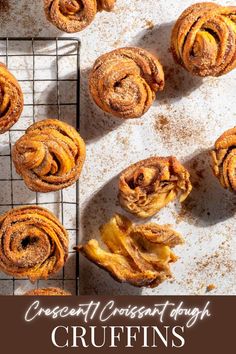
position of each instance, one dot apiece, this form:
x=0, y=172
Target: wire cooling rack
x=48, y=72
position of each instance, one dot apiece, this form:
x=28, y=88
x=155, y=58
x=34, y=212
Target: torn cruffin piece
x=74, y=15
x=148, y=185
x=137, y=254
x=224, y=159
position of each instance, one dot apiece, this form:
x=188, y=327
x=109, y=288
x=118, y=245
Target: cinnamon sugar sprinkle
x=173, y=127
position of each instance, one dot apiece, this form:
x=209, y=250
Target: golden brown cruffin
x=204, y=39
x=148, y=185
x=125, y=81
x=224, y=159
x=139, y=255
x=49, y=156
x=33, y=243
x=48, y=292
x=74, y=15
x=11, y=99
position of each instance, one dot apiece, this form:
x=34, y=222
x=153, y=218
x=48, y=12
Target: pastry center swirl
x=71, y=7
x=48, y=157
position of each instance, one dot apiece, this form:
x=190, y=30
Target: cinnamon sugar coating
x=74, y=15
x=11, y=99
x=49, y=156
x=224, y=159
x=48, y=292
x=106, y=5
x=125, y=81
x=33, y=243
x=204, y=39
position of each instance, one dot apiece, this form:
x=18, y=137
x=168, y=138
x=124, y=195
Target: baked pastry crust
x=74, y=15
x=139, y=255
x=49, y=156
x=11, y=99
x=224, y=159
x=106, y=5
x=148, y=185
x=204, y=39
x=48, y=292
x=125, y=81
x=33, y=243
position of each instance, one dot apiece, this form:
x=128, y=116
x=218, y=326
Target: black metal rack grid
x=31, y=49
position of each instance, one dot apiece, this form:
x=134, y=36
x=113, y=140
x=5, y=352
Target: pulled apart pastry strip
x=148, y=185
x=33, y=243
x=11, y=99
x=139, y=255
x=224, y=159
x=204, y=39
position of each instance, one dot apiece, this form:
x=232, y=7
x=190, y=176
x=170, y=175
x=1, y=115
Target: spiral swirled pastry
x=33, y=243
x=204, y=39
x=49, y=156
x=48, y=292
x=125, y=81
x=11, y=99
x=149, y=185
x=139, y=255
x=224, y=159
x=74, y=15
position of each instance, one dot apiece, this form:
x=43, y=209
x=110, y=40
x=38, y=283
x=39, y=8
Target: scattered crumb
x=210, y=287
x=149, y=25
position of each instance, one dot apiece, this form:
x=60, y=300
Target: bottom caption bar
x=135, y=324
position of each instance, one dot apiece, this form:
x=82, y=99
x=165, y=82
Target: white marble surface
x=184, y=121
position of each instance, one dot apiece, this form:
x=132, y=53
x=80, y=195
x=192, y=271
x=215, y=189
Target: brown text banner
x=86, y=324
